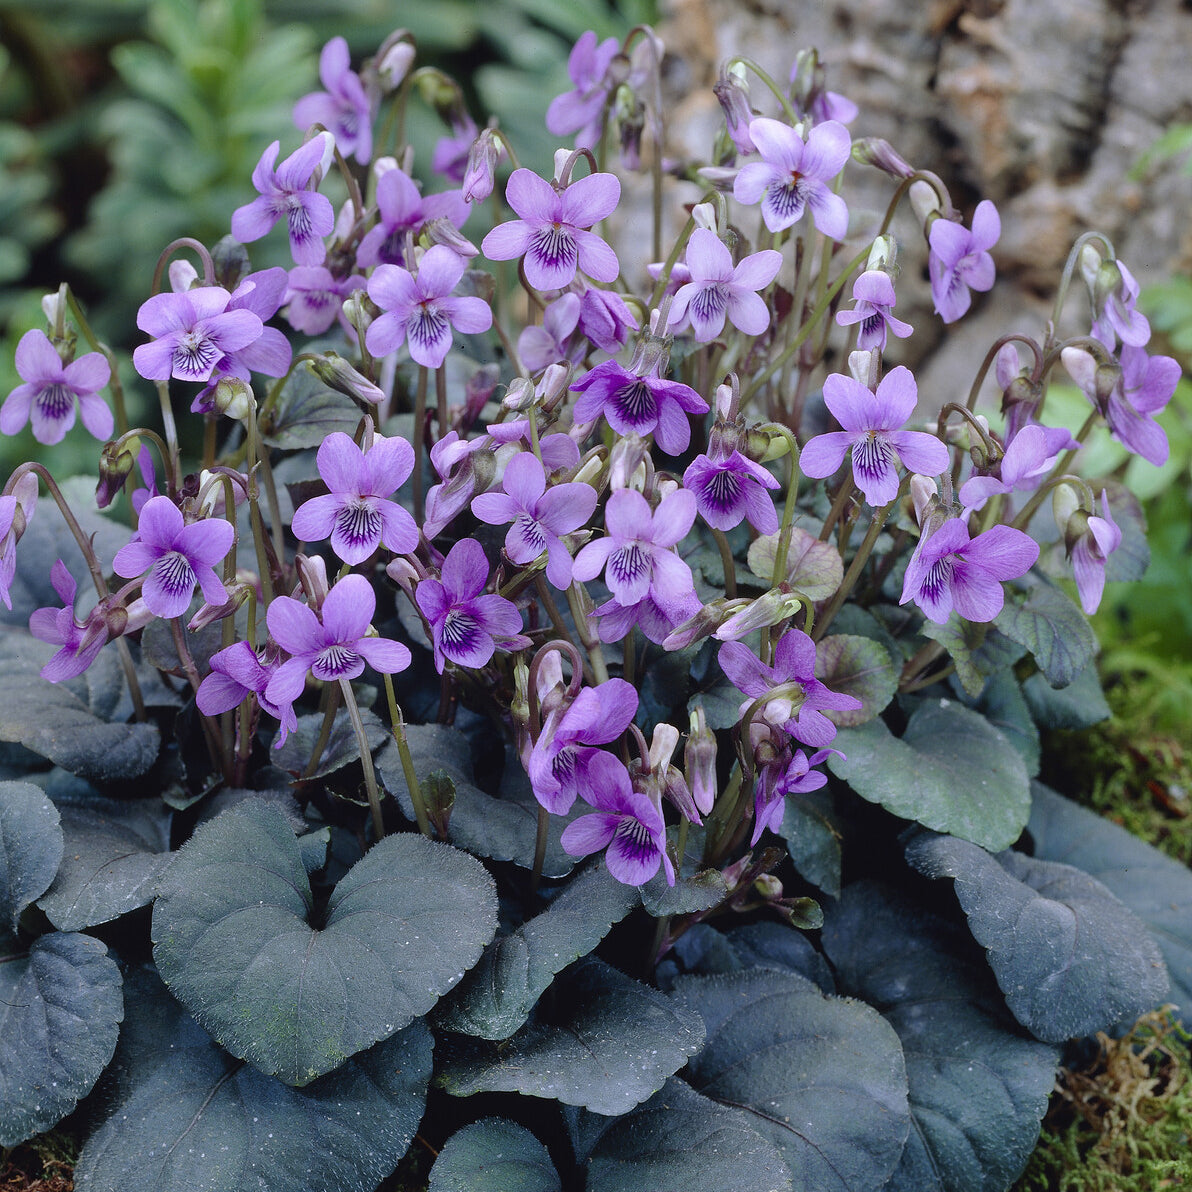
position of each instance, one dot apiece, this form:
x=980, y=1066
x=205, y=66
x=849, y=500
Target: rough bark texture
x=1044, y=107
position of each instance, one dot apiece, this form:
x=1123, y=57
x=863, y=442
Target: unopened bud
x=763, y=445
x=336, y=373
x=438, y=796
x=1090, y=262
x=53, y=307
x=863, y=367
x=553, y=385
x=733, y=95
x=116, y=463
x=923, y=492
x=883, y=254
x=230, y=262
x=768, y=886
x=520, y=395
x=403, y=573
x=113, y=616
x=358, y=310
x=182, y=274
x=768, y=609
x=208, y=614
x=234, y=397
x=395, y=63
x=590, y=469
x=562, y=157
x=626, y=461
x=312, y=575
x=699, y=761
x=925, y=203
x=480, y=174
x=443, y=231
x=1066, y=505
x=873, y=151
x=704, y=216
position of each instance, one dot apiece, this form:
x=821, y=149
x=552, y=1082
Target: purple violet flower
x=401, y=208
x=464, y=623
x=552, y=229
x=80, y=643
x=657, y=620
x=286, y=192
x=729, y=487
x=356, y=514
x=638, y=404
x=420, y=308
x=791, y=774
x=873, y=292
x=450, y=155
x=951, y=570
x=345, y=109
x=793, y=175
x=959, y=260
x=192, y=333
x=16, y=512
x=315, y=298
x=580, y=111
x=1118, y=316
x=539, y=515
x=718, y=289
x=605, y=319
x=176, y=556
x=337, y=647
x=1030, y=455
x=540, y=347
x=235, y=673
x=52, y=392
x=871, y=431
x=794, y=671
x=627, y=822
x=1141, y=386
x=1089, y=552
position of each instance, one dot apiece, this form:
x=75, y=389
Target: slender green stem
x=727, y=562
x=777, y=91
x=370, y=777
x=330, y=704
x=398, y=726
x=541, y=834
x=591, y=641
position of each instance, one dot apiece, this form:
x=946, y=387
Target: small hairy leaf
x=494, y=1155
x=1053, y=628
x=812, y=567
x=977, y=650
x=30, y=848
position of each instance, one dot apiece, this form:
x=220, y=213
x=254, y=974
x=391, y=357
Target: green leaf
x=497, y=996
x=696, y=892
x=1070, y=958
x=1002, y=703
x=60, y=1011
x=30, y=848
x=114, y=855
x=69, y=723
x=494, y=1155
x=977, y=650
x=182, y=1114
x=860, y=667
x=812, y=567
x=813, y=836
x=604, y=1042
x=1080, y=704
x=1053, y=628
x=706, y=952
x=308, y=412
x=978, y=1088
x=342, y=748
x=680, y=1140
x=822, y=1078
x=951, y=771
x=233, y=940
x=1156, y=888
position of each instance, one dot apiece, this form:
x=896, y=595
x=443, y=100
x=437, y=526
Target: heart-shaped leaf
x=978, y=1087
x=232, y=939
x=822, y=1078
x=494, y=1155
x=813, y=834
x=115, y=852
x=182, y=1114
x=951, y=770
x=706, y=952
x=308, y=412
x=977, y=650
x=1080, y=704
x=1053, y=628
x=1003, y=704
x=605, y=1042
x=30, y=848
x=812, y=567
x=1070, y=958
x=860, y=667
x=60, y=1011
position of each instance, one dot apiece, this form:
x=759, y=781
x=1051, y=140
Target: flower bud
x=733, y=94
x=562, y=158
x=312, y=575
x=230, y=262
x=53, y=307
x=234, y=397
x=520, y=395
x=480, y=173
x=873, y=151
x=336, y=373
x=883, y=254
x=403, y=573
x=923, y=492
x=590, y=469
x=863, y=367
x=1067, y=508
x=925, y=203
x=395, y=62
x=115, y=466
x=358, y=310
x=768, y=609
x=182, y=274
x=704, y=623
x=626, y=461
x=768, y=886
x=699, y=761
x=704, y=216
x=443, y=231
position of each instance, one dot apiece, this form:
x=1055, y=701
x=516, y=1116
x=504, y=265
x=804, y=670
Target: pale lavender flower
x=466, y=627
x=552, y=231
x=176, y=556
x=540, y=347
x=627, y=823
x=791, y=774
x=719, y=290
x=402, y=209
x=871, y=432
x=53, y=392
x=949, y=570
x=450, y=156
x=1128, y=395
x=286, y=192
x=605, y=319
x=422, y=309
x=581, y=110
x=192, y=333
x=729, y=487
x=733, y=96
x=337, y=647
x=539, y=515
x=873, y=293
x=16, y=512
x=639, y=405
x=1102, y=536
x=480, y=172
x=794, y=174
x=656, y=618
x=237, y=672
x=356, y=514
x=80, y=643
x=1029, y=457
x=1118, y=315
x=345, y=109
x=314, y=298
x=959, y=260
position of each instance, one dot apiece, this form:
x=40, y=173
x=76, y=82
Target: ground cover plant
x=570, y=702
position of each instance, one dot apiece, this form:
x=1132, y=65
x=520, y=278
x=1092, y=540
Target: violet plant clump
x=604, y=699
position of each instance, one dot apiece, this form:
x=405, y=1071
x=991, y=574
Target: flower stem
x=370, y=777
x=398, y=726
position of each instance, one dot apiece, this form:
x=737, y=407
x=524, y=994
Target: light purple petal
x=219, y=693
x=314, y=520
x=289, y=679
x=744, y=670
x=822, y=455
x=134, y=559
x=747, y=312
x=206, y=542
x=826, y=151
x=296, y=629
x=777, y=143
x=439, y=271
x=507, y=241
x=566, y=507
x=533, y=198
x=36, y=358
x=828, y=210
x=1006, y=553
x=465, y=570
x=920, y=452
x=708, y=257
x=673, y=518
x=383, y=655
x=399, y=530
x=589, y=833
x=393, y=288
x=469, y=315
x=976, y=594
x=348, y=609
x=588, y=200
x=757, y=270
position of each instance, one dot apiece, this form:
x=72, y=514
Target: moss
x=42, y=1164
x=1123, y=1123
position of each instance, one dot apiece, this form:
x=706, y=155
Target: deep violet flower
x=314, y=298
x=799, y=694
x=1028, y=458
x=552, y=229
x=605, y=319
x=627, y=823
x=421, y=309
x=719, y=290
x=80, y=643
x=539, y=515
x=235, y=673
x=52, y=392
x=192, y=333
x=337, y=647
x=176, y=556
x=286, y=192
x=356, y=514
x=959, y=260
x=580, y=110
x=345, y=109
x=873, y=293
x=401, y=208
x=559, y=763
x=871, y=432
x=464, y=623
x=638, y=405
x=793, y=175
x=791, y=774
x=949, y=570
x=730, y=487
